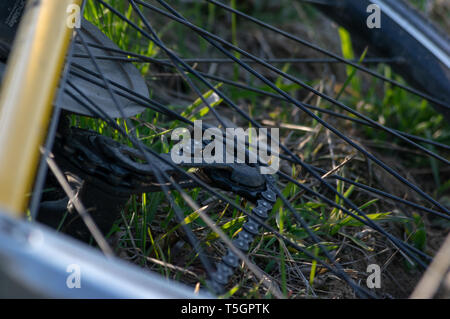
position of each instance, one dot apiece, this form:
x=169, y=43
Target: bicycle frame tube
x=33, y=264
x=28, y=90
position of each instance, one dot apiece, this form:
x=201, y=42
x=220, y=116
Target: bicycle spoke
x=213, y=38
x=303, y=181
x=194, y=242
x=338, y=272
x=227, y=61
x=252, y=122
x=166, y=111
x=275, y=96
x=297, y=103
x=330, y=54
x=142, y=58
x=259, y=126
x=262, y=92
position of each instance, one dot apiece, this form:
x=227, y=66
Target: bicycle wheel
x=339, y=202
x=422, y=45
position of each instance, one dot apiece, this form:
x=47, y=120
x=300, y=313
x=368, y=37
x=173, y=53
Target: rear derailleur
x=105, y=173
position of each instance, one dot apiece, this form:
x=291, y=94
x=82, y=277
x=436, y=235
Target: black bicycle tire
x=420, y=67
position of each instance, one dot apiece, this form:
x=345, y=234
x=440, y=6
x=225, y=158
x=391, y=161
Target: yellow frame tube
x=27, y=94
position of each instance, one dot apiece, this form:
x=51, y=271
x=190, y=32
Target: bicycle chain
x=250, y=229
x=99, y=159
